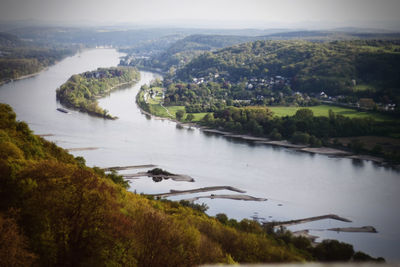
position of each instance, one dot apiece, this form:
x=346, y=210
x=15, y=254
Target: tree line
x=301, y=128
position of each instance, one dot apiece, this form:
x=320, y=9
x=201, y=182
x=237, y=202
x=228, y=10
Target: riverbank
x=327, y=151
x=27, y=76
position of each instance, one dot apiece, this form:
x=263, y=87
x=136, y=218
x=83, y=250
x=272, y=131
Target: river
x=296, y=184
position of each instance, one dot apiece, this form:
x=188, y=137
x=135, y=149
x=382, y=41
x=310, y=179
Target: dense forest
x=19, y=58
x=82, y=90
x=361, y=68
x=56, y=211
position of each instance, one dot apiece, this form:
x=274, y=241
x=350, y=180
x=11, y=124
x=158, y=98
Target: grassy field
x=323, y=110
x=363, y=87
x=158, y=110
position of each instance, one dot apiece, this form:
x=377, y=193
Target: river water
x=296, y=184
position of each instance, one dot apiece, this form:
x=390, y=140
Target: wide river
x=296, y=184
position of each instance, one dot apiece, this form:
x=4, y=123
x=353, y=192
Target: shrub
x=300, y=138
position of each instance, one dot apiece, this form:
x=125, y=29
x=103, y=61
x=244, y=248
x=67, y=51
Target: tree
x=304, y=114
x=275, y=135
x=190, y=117
x=180, y=114
x=333, y=250
x=13, y=245
x=222, y=218
x=300, y=138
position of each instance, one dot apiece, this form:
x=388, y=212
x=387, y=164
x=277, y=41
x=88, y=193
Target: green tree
x=275, y=135
x=189, y=117
x=180, y=114
x=300, y=138
x=333, y=250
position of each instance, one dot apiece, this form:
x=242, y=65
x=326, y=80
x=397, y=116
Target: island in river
x=81, y=91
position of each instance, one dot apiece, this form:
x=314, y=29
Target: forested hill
x=7, y=39
x=332, y=35
x=19, y=58
x=338, y=67
x=183, y=50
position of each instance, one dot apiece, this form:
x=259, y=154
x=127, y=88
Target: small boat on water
x=63, y=110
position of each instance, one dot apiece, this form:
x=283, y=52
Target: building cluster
x=253, y=83
x=267, y=82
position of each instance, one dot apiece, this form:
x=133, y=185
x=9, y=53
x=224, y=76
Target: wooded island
x=81, y=91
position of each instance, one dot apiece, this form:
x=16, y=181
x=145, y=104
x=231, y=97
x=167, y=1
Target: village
x=280, y=86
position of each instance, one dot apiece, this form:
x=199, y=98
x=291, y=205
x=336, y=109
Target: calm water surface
x=296, y=184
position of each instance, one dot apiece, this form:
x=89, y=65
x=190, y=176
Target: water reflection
x=158, y=179
x=358, y=163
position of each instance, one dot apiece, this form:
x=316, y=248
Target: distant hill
x=338, y=67
x=19, y=57
x=7, y=39
x=183, y=50
x=332, y=35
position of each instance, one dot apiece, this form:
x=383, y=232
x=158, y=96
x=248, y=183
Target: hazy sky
x=264, y=13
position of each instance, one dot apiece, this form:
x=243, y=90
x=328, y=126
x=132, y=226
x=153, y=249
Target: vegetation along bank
x=82, y=90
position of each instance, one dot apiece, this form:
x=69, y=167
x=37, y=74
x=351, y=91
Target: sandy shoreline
x=326, y=151
x=284, y=143
x=198, y=190
x=367, y=157
x=306, y=232
x=310, y=219
x=232, y=197
x=363, y=229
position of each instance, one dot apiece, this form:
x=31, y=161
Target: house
x=390, y=107
x=323, y=95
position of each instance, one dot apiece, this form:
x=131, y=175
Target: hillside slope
x=368, y=68
x=61, y=213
